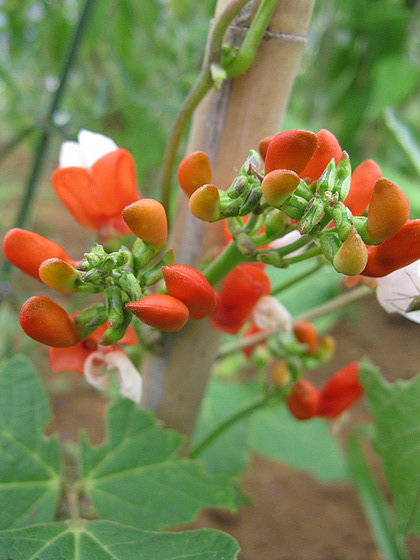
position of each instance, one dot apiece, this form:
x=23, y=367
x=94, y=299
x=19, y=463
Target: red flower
x=96, y=181
x=74, y=357
x=241, y=290
x=340, y=391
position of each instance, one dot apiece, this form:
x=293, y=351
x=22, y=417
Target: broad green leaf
x=104, y=540
x=29, y=464
x=396, y=412
x=307, y=445
x=137, y=478
x=272, y=432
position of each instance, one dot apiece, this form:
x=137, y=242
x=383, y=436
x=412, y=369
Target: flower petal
x=269, y=313
x=94, y=145
x=397, y=291
x=127, y=377
x=70, y=155
x=95, y=371
x=68, y=359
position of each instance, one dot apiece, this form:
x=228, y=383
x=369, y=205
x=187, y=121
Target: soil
x=293, y=516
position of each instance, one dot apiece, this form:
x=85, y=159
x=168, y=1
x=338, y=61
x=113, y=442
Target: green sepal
x=294, y=206
x=312, y=215
x=229, y=208
x=128, y=282
x=275, y=224
x=328, y=179
x=153, y=274
x=143, y=254
x=360, y=223
x=113, y=334
x=343, y=176
x=89, y=319
x=330, y=243
x=114, y=305
x=245, y=245
x=343, y=220
x=238, y=187
x=271, y=256
x=251, y=201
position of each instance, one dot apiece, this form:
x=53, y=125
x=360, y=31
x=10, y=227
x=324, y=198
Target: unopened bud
x=205, y=203
x=352, y=256
x=58, y=275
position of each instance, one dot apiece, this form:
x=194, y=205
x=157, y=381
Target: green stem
x=332, y=305
x=42, y=145
x=204, y=83
x=15, y=141
x=372, y=501
x=224, y=263
x=266, y=400
x=309, y=254
x=253, y=38
x=294, y=281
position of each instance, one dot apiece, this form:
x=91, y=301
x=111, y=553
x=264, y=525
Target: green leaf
x=29, y=464
x=307, y=445
x=104, y=540
x=396, y=412
x=137, y=478
x=271, y=431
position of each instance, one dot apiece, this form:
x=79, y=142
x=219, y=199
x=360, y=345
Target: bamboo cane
x=226, y=125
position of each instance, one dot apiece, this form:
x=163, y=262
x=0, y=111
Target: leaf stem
x=294, y=281
x=262, y=402
x=332, y=305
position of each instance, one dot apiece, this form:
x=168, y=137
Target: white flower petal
x=94, y=145
x=270, y=313
x=95, y=371
x=398, y=290
x=127, y=376
x=70, y=155
x=290, y=237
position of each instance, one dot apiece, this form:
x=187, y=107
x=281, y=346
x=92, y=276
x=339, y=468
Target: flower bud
x=352, y=256
x=303, y=400
x=263, y=146
x=161, y=311
x=147, y=220
x=305, y=333
x=328, y=148
x=45, y=321
x=280, y=374
x=191, y=287
x=58, y=275
x=340, y=391
x=388, y=211
x=291, y=149
x=27, y=250
x=278, y=185
x=194, y=171
x=205, y=203
x=363, y=180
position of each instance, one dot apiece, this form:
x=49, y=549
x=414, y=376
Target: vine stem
x=42, y=145
x=332, y=305
x=262, y=402
x=240, y=64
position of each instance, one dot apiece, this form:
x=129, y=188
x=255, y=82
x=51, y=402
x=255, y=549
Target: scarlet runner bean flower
x=191, y=287
x=305, y=333
x=27, y=251
x=291, y=149
x=399, y=292
x=398, y=251
x=45, y=321
x=241, y=290
x=328, y=148
x=95, y=362
x=146, y=218
x=95, y=181
x=340, y=391
x=160, y=311
x=363, y=180
x=352, y=256
x=303, y=400
x=194, y=171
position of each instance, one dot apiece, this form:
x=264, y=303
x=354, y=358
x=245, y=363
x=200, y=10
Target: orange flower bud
x=278, y=185
x=303, y=400
x=388, y=211
x=328, y=148
x=398, y=251
x=352, y=256
x=291, y=149
x=280, y=374
x=191, y=287
x=147, y=220
x=363, y=180
x=327, y=346
x=194, y=171
x=263, y=146
x=45, y=321
x=160, y=311
x=27, y=250
x=58, y=275
x=306, y=333
x=340, y=391
x=205, y=203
